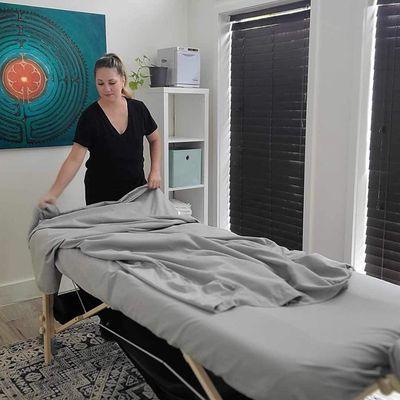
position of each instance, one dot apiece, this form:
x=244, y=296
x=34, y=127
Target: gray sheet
x=208, y=267
x=325, y=351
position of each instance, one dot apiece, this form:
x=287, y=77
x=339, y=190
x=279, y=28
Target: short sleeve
x=83, y=132
x=149, y=124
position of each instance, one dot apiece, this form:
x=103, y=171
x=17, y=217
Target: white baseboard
x=15, y=292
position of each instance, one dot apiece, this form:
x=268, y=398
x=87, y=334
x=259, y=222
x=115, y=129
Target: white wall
x=336, y=126
x=138, y=27
x=336, y=120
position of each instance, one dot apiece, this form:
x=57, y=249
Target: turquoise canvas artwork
x=46, y=71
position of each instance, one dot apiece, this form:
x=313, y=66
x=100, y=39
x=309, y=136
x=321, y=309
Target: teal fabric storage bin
x=184, y=167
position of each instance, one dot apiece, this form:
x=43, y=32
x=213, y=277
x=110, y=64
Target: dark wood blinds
x=269, y=65
x=383, y=214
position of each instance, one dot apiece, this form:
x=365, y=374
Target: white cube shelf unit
x=182, y=116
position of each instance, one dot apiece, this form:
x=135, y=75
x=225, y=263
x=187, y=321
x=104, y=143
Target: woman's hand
x=154, y=180
x=48, y=198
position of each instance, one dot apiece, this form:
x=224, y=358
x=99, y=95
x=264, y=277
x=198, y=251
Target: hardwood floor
x=19, y=321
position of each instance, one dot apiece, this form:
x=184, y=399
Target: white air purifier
x=183, y=66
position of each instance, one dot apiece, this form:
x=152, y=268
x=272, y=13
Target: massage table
x=343, y=348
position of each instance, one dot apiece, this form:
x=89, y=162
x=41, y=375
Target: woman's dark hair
x=111, y=60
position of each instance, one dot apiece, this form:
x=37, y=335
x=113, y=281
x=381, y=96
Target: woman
x=112, y=129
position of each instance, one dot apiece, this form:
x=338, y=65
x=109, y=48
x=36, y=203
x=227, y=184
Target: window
x=383, y=214
x=269, y=65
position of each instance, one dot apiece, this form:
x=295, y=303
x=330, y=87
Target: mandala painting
x=46, y=79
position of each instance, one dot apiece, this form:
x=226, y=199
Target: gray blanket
x=209, y=268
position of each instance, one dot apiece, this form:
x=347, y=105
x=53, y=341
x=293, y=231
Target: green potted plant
x=137, y=78
x=157, y=75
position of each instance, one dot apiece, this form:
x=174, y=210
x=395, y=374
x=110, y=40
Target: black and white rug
x=85, y=367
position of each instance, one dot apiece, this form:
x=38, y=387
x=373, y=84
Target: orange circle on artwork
x=24, y=79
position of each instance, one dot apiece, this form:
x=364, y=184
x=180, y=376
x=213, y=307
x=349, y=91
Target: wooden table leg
x=386, y=385
x=203, y=378
x=47, y=328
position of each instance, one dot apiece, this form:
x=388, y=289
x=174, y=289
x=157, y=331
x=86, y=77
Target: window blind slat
x=382, y=2
x=270, y=10
x=281, y=23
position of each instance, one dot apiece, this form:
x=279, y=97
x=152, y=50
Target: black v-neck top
x=115, y=165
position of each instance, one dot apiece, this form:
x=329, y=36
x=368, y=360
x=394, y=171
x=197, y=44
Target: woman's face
x=109, y=84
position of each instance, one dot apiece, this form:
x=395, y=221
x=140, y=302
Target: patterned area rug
x=85, y=367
